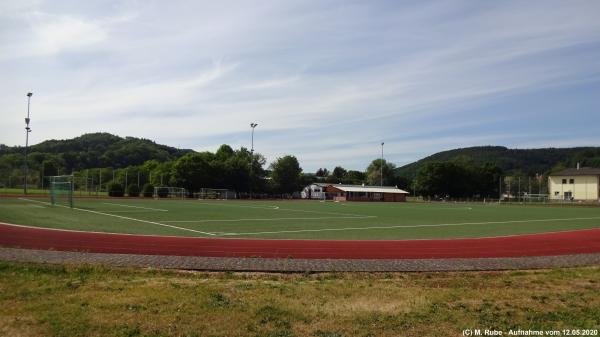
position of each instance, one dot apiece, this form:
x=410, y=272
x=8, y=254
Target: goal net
x=535, y=197
x=61, y=190
x=215, y=193
x=169, y=192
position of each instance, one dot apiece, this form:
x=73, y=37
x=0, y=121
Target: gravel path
x=296, y=265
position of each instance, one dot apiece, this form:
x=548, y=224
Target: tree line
x=132, y=165
x=462, y=178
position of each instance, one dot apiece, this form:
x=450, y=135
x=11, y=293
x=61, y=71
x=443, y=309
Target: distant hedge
x=133, y=190
x=148, y=190
x=163, y=192
x=116, y=190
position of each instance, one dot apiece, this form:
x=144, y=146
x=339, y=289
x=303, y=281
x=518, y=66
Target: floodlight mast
x=252, y=125
x=27, y=131
x=381, y=166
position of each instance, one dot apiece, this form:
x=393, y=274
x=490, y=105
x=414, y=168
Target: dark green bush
x=163, y=192
x=116, y=190
x=148, y=190
x=133, y=190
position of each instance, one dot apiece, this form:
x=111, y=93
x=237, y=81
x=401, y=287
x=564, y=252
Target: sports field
x=298, y=219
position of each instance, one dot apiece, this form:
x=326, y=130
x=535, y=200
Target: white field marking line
x=124, y=211
x=21, y=206
x=244, y=206
x=286, y=209
x=275, y=219
x=82, y=231
x=424, y=207
x=124, y=217
x=410, y=226
x=320, y=212
x=457, y=208
x=148, y=208
x=174, y=236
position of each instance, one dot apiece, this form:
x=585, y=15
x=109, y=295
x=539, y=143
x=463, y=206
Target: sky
x=326, y=81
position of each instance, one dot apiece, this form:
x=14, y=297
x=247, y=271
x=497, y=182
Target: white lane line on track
x=275, y=219
x=124, y=217
x=409, y=226
x=148, y=208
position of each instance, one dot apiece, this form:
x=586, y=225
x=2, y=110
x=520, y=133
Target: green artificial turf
x=299, y=219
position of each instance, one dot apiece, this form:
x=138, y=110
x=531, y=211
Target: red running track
x=546, y=244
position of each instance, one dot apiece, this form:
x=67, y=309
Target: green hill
x=90, y=151
x=526, y=161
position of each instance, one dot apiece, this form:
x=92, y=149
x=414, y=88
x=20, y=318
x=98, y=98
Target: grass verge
x=65, y=300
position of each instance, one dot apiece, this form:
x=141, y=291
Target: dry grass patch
x=50, y=300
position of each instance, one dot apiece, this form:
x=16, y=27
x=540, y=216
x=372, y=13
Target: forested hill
x=95, y=150
x=526, y=161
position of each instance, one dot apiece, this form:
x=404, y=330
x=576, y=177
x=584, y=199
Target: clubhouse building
x=575, y=184
x=342, y=192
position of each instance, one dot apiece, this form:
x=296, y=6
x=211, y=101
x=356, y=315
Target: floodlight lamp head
x=253, y=125
x=29, y=94
x=382, y=143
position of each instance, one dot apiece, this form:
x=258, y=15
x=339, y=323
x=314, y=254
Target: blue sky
x=327, y=81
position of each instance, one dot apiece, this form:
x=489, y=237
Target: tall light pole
x=27, y=131
x=381, y=166
x=252, y=125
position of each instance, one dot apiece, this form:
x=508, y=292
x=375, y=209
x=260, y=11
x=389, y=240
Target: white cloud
x=57, y=33
x=318, y=77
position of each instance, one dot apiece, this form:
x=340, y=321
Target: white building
x=575, y=184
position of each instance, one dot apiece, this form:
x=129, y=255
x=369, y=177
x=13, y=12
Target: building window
x=571, y=181
x=556, y=193
x=564, y=181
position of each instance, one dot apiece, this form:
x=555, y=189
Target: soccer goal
x=215, y=193
x=169, y=192
x=535, y=197
x=61, y=190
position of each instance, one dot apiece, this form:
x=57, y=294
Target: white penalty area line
x=409, y=226
x=130, y=206
x=276, y=219
x=124, y=217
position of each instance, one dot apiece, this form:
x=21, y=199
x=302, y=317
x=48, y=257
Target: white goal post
x=169, y=192
x=215, y=193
